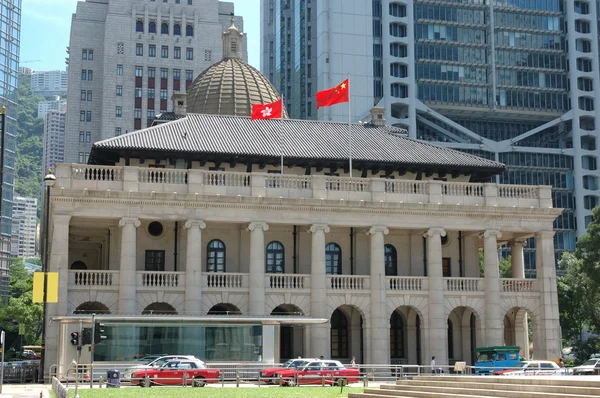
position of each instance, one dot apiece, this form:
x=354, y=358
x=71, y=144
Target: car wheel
x=199, y=382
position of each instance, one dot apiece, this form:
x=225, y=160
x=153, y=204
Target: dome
x=231, y=86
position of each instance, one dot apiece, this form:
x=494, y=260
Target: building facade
x=24, y=227
x=55, y=104
x=49, y=83
x=485, y=77
x=54, y=138
x=127, y=57
x=9, y=51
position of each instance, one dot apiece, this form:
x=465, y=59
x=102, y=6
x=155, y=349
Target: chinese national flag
x=333, y=96
x=274, y=110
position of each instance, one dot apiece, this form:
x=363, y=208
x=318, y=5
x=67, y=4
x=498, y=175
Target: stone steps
x=487, y=386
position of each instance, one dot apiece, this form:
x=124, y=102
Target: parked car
x=317, y=372
x=179, y=372
x=589, y=367
x=155, y=364
x=533, y=368
x=495, y=358
x=266, y=375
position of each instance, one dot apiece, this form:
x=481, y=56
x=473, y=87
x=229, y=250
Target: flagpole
x=349, y=126
x=281, y=132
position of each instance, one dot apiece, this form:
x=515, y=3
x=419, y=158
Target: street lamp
x=49, y=181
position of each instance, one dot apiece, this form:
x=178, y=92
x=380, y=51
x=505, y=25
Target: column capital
x=435, y=231
x=375, y=229
x=492, y=233
x=60, y=219
x=518, y=242
x=319, y=227
x=194, y=223
x=129, y=220
x=544, y=234
x=258, y=225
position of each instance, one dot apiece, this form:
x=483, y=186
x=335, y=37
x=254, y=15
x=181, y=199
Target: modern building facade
x=55, y=104
x=9, y=56
x=486, y=77
x=127, y=57
x=49, y=83
x=54, y=138
x=24, y=227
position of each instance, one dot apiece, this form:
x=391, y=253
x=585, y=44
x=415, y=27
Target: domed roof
x=230, y=86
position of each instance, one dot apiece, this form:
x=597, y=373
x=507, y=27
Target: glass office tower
x=10, y=37
x=488, y=77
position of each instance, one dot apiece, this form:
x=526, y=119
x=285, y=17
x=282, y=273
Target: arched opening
x=405, y=336
x=79, y=265
x=519, y=327
x=333, y=259
x=275, y=258
x=139, y=26
x=152, y=27
x=224, y=342
x=164, y=28
x=159, y=309
x=291, y=337
x=391, y=260
x=462, y=334
x=346, y=334
x=215, y=256
x=177, y=29
x=189, y=31
x=224, y=309
x=92, y=307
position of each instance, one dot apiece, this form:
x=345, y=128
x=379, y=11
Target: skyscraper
x=486, y=77
x=9, y=55
x=24, y=223
x=49, y=83
x=54, y=138
x=126, y=59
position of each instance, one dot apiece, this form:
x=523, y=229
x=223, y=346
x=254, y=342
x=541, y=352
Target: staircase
x=487, y=386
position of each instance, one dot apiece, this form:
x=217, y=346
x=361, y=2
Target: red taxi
x=267, y=375
x=318, y=372
x=189, y=372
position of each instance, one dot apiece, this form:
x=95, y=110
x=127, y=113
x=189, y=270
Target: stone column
x=128, y=266
x=193, y=266
x=319, y=334
x=438, y=323
x=58, y=262
x=380, y=321
x=546, y=328
x=256, y=304
x=517, y=263
x=493, y=318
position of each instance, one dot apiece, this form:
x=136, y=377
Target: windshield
x=521, y=365
x=590, y=362
x=487, y=356
x=288, y=363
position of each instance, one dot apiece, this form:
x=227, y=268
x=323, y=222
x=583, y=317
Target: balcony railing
x=125, y=180
x=224, y=280
x=92, y=278
x=288, y=282
x=407, y=283
x=519, y=285
x=348, y=282
x=161, y=279
x=464, y=284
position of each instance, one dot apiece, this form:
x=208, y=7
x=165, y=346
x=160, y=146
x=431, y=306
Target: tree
x=20, y=308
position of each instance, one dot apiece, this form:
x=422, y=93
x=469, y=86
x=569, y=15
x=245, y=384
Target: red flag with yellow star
x=332, y=96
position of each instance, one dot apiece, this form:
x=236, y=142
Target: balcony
x=179, y=184
x=174, y=282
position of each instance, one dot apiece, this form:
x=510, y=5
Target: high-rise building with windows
x=488, y=77
x=54, y=138
x=49, y=83
x=127, y=57
x=10, y=29
x=24, y=224
x=55, y=104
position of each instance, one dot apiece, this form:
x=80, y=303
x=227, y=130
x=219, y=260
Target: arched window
x=339, y=335
x=164, y=28
x=333, y=259
x=139, y=26
x=391, y=260
x=189, y=30
x=396, y=336
x=275, y=258
x=152, y=27
x=215, y=256
x=177, y=30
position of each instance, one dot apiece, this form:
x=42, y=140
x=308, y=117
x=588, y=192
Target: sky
x=46, y=26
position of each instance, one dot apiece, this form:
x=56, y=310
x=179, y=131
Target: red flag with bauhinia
x=335, y=95
x=273, y=110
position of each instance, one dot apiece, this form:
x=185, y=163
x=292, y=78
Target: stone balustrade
x=464, y=284
x=348, y=282
x=407, y=283
x=518, y=285
x=288, y=281
x=94, y=279
x=161, y=279
x=125, y=180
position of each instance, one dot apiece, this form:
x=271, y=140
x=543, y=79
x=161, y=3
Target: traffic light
x=75, y=338
x=86, y=338
x=99, y=333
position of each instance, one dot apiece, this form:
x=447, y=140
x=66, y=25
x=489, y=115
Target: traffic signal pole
x=79, y=346
x=92, y=351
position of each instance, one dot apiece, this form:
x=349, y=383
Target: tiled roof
x=304, y=139
x=166, y=117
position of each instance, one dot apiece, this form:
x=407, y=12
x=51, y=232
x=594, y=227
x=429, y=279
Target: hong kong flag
x=274, y=110
x=332, y=96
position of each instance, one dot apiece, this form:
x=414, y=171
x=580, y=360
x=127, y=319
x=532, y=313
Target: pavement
x=25, y=391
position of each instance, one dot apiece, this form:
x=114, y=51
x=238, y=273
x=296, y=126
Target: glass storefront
x=209, y=342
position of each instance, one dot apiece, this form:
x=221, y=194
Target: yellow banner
x=38, y=287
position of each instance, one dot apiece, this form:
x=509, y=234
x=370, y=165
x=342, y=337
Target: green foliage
x=20, y=309
x=585, y=349
x=29, y=135
x=588, y=249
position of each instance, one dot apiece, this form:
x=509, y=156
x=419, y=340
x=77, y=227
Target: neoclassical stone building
x=187, y=239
